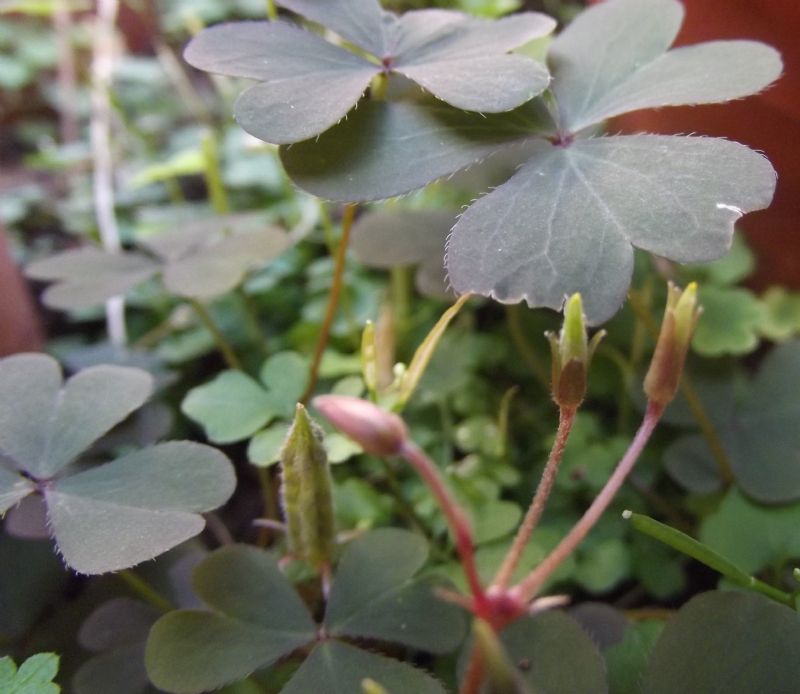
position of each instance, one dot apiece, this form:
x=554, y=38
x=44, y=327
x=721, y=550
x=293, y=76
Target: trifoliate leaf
x=781, y=314
x=118, y=514
x=577, y=232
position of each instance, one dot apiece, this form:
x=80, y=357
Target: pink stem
x=456, y=518
x=536, y=509
x=531, y=585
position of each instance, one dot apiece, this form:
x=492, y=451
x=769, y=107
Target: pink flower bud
x=377, y=431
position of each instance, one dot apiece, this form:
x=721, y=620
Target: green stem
x=269, y=506
x=705, y=555
x=145, y=591
x=272, y=11
x=333, y=301
x=213, y=175
x=566, y=419
x=220, y=340
x=528, y=354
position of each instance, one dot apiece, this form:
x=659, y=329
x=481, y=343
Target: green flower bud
x=571, y=355
x=377, y=431
x=306, y=491
x=369, y=358
x=677, y=328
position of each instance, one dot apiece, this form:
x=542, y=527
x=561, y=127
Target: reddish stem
x=565, y=421
x=473, y=677
x=456, y=518
x=531, y=585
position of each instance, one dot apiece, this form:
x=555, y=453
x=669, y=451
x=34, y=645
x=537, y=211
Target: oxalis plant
x=365, y=105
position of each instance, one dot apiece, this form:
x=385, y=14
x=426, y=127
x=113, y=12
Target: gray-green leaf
x=731, y=642
x=385, y=149
x=339, y=668
x=612, y=60
x=567, y=221
x=137, y=507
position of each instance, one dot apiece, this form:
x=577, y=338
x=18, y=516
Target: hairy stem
x=565, y=420
x=456, y=518
x=693, y=401
x=531, y=585
x=220, y=340
x=333, y=301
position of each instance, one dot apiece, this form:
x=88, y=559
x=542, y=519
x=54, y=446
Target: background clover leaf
x=233, y=406
x=34, y=676
x=386, y=239
x=757, y=430
x=118, y=514
x=726, y=641
x=730, y=323
x=258, y=618
x=567, y=220
x=612, y=59
x=201, y=260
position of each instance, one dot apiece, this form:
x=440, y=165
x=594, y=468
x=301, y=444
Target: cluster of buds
x=677, y=328
x=572, y=353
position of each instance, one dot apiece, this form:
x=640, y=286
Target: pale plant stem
x=272, y=11
x=530, y=586
x=333, y=301
x=533, y=516
x=456, y=518
x=103, y=165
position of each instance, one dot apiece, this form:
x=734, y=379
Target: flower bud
x=306, y=491
x=377, y=431
x=677, y=328
x=571, y=355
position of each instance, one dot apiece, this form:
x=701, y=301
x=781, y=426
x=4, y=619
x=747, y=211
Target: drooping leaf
x=338, y=667
x=734, y=642
x=753, y=536
x=89, y=276
x=375, y=596
x=730, y=322
x=611, y=59
x=595, y=199
x=555, y=655
x=385, y=149
x=137, y=507
x=258, y=618
x=34, y=676
x=44, y=426
x=231, y=407
x=386, y=239
x=308, y=84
